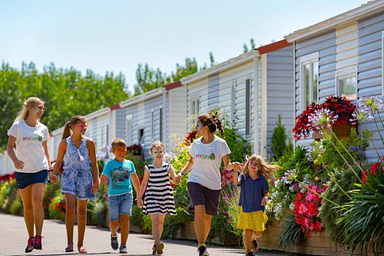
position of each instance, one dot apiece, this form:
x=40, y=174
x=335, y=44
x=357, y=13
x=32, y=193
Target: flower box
x=342, y=131
x=317, y=244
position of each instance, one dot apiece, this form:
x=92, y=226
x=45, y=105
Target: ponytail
x=213, y=123
x=67, y=131
x=73, y=121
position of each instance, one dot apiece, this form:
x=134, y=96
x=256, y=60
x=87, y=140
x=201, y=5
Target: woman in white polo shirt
x=27, y=147
x=204, y=182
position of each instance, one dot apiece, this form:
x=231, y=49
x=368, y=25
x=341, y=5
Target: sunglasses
x=84, y=126
x=155, y=152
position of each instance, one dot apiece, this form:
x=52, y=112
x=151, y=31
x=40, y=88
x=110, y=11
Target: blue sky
x=117, y=35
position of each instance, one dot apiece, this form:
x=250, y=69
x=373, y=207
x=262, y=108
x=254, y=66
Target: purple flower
x=322, y=118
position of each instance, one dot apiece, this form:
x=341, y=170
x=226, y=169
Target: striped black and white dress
x=159, y=198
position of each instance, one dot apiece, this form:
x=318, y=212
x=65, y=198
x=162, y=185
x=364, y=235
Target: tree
x=279, y=140
x=65, y=93
x=149, y=79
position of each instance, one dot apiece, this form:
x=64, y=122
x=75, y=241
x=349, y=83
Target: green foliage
x=56, y=207
x=50, y=191
x=17, y=207
x=8, y=194
x=291, y=234
x=347, y=152
x=362, y=220
x=341, y=181
x=279, y=140
x=149, y=78
x=65, y=92
x=100, y=213
x=138, y=162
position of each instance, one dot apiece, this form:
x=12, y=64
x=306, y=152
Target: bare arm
x=136, y=183
x=45, y=146
x=143, y=186
x=103, y=179
x=94, y=166
x=60, y=156
x=11, y=153
x=227, y=164
x=186, y=169
x=264, y=201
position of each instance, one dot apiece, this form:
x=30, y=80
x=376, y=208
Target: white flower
x=292, y=206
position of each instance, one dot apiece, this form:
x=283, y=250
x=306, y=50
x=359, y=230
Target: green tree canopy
x=65, y=92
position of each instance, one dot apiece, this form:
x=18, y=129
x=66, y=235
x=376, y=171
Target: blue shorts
x=24, y=179
x=78, y=183
x=121, y=204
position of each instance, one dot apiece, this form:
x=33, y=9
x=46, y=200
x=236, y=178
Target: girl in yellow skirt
x=253, y=198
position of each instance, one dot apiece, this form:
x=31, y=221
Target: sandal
x=69, y=248
x=82, y=249
x=159, y=248
x=255, y=245
x=154, y=250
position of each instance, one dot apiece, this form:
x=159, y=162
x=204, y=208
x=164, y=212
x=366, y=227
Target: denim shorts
x=121, y=204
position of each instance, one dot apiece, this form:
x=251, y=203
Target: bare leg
x=207, y=219
x=81, y=221
x=37, y=202
x=114, y=226
x=26, y=197
x=248, y=240
x=69, y=217
x=157, y=226
x=124, y=228
x=200, y=224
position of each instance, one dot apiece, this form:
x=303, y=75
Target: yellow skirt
x=252, y=220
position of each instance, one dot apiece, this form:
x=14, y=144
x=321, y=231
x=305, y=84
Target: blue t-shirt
x=252, y=193
x=119, y=174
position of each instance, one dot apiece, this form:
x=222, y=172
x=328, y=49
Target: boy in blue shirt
x=121, y=174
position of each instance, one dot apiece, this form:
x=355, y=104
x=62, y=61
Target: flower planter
x=317, y=244
x=342, y=131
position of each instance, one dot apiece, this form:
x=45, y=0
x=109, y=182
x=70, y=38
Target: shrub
x=279, y=141
x=57, y=207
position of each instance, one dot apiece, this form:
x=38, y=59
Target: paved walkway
x=13, y=237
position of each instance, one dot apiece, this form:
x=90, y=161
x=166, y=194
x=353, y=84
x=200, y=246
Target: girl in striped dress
x=159, y=198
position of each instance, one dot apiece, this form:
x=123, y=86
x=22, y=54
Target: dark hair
x=67, y=127
x=213, y=123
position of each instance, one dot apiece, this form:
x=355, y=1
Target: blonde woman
x=27, y=147
x=253, y=198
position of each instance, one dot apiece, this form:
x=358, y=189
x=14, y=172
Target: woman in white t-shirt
x=204, y=182
x=27, y=147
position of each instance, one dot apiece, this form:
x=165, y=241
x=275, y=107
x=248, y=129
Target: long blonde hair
x=266, y=170
x=31, y=102
x=67, y=127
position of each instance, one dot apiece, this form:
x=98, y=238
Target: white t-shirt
x=29, y=145
x=206, y=168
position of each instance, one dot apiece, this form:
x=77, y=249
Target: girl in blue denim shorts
x=121, y=174
x=77, y=181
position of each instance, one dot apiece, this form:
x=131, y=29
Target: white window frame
x=153, y=124
x=248, y=106
x=195, y=105
x=161, y=128
x=129, y=130
x=308, y=59
x=344, y=74
x=233, y=100
x=382, y=62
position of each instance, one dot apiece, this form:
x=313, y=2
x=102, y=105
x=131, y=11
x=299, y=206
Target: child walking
x=159, y=198
x=253, y=198
x=121, y=174
x=77, y=181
